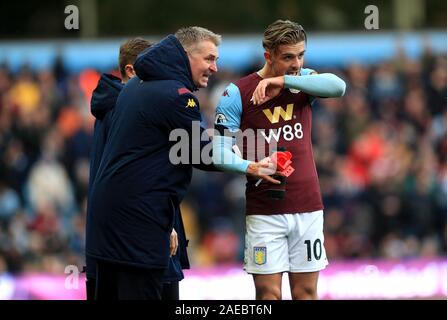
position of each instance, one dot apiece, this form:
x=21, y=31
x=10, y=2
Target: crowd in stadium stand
x=381, y=153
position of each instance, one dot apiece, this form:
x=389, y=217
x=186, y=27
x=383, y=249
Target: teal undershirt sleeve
x=224, y=158
x=325, y=85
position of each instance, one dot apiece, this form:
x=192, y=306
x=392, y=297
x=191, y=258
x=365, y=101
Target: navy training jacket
x=103, y=101
x=137, y=190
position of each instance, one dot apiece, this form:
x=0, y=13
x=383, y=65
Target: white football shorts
x=285, y=243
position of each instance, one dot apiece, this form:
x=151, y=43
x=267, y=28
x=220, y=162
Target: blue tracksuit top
x=136, y=191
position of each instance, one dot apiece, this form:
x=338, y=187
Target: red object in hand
x=283, y=161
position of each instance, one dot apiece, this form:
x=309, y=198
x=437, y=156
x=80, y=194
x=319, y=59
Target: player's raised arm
x=325, y=85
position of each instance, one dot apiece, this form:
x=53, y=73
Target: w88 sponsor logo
x=288, y=133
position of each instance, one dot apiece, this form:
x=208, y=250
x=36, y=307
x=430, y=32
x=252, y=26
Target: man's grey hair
x=190, y=37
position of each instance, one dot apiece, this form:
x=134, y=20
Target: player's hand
x=173, y=242
x=263, y=169
x=267, y=89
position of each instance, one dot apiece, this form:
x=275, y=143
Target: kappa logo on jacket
x=191, y=103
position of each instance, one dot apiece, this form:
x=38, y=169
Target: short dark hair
x=283, y=32
x=129, y=51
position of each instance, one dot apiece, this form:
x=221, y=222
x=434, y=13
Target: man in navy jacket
x=103, y=102
x=102, y=105
x=138, y=186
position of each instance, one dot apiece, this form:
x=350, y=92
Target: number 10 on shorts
x=314, y=248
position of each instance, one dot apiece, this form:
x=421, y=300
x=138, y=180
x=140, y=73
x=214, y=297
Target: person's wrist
x=251, y=168
x=282, y=81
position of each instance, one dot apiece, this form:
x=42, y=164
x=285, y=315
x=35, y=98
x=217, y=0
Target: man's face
x=287, y=59
x=203, y=61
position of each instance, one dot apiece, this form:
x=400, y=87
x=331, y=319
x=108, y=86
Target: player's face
x=203, y=61
x=287, y=59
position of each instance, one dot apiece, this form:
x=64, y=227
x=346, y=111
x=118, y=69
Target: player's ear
x=267, y=57
x=130, y=72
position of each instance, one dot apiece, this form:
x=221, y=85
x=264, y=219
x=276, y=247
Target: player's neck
x=265, y=72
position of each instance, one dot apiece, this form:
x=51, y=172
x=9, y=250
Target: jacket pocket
x=159, y=210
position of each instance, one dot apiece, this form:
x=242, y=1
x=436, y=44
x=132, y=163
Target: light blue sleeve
x=325, y=85
x=229, y=109
x=306, y=71
x=228, y=116
x=224, y=158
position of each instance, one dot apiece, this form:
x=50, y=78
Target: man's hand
x=267, y=89
x=263, y=169
x=174, y=242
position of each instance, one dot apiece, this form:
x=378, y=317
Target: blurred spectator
x=9, y=204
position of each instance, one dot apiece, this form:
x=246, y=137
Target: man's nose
x=213, y=67
x=297, y=63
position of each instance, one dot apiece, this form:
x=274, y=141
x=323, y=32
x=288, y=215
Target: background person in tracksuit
x=103, y=102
